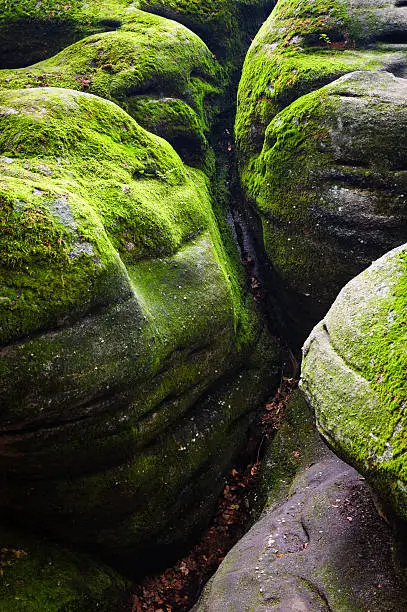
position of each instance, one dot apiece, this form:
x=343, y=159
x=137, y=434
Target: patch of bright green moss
x=354, y=375
x=216, y=21
x=31, y=31
x=158, y=71
x=302, y=46
x=382, y=357
x=83, y=182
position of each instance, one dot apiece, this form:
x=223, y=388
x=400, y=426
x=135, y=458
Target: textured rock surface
x=354, y=376
x=319, y=161
x=129, y=351
x=131, y=355
x=320, y=544
x=161, y=73
x=222, y=24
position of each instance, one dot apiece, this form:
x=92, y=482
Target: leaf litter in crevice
x=178, y=587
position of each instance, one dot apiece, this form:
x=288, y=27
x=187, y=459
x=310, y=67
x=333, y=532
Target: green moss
x=75, y=213
x=118, y=220
x=31, y=30
x=340, y=597
x=382, y=358
x=122, y=307
x=155, y=69
x=385, y=357
x=58, y=25
x=216, y=21
x=298, y=147
x=360, y=411
x=295, y=445
x=301, y=47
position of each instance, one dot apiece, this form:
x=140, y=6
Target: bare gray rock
x=321, y=546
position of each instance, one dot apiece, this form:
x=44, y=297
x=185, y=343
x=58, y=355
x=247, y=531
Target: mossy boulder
x=161, y=73
x=39, y=575
x=32, y=30
x=354, y=376
x=130, y=355
x=224, y=25
x=319, y=546
x=316, y=148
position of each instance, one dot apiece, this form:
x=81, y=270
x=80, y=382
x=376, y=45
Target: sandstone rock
x=32, y=30
x=317, y=149
x=320, y=544
x=130, y=353
x=354, y=376
x=161, y=73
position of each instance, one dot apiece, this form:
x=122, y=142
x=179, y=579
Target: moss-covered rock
x=354, y=376
x=37, y=575
x=32, y=30
x=224, y=25
x=327, y=184
x=162, y=74
x=123, y=324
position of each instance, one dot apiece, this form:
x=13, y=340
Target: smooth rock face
x=322, y=155
x=320, y=545
x=129, y=351
x=354, y=376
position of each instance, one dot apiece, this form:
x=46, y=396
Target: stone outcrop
x=129, y=352
x=32, y=30
x=324, y=164
x=132, y=353
x=161, y=73
x=320, y=544
x=354, y=376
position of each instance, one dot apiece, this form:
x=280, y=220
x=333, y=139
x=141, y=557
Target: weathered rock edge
x=320, y=545
x=353, y=375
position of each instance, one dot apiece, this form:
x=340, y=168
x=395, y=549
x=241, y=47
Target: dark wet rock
x=320, y=544
x=354, y=376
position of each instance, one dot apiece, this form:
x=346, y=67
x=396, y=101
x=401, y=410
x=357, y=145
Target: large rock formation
x=354, y=376
x=121, y=316
x=131, y=355
x=31, y=30
x=320, y=545
x=325, y=164
x=161, y=73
